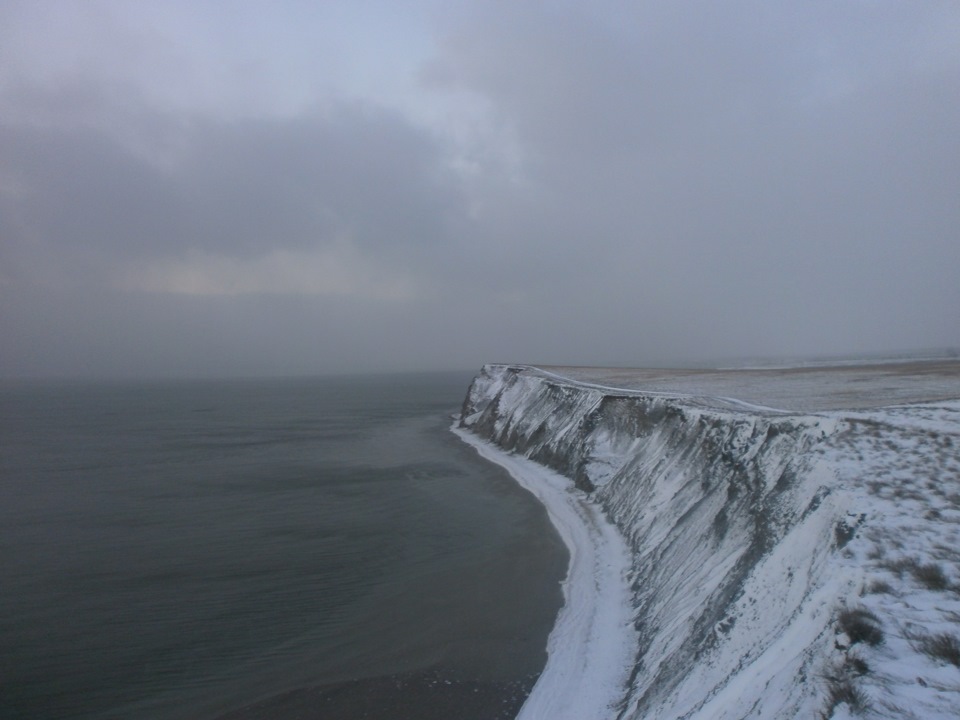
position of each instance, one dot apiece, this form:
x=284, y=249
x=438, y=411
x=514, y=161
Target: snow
x=748, y=510
x=903, y=465
x=797, y=389
x=591, y=649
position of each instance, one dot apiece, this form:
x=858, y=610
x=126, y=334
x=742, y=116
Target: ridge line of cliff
x=706, y=497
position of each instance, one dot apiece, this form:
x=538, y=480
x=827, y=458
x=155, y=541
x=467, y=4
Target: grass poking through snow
x=860, y=626
x=942, y=646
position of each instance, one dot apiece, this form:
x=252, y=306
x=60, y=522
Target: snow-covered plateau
x=763, y=544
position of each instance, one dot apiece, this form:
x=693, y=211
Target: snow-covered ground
x=901, y=466
x=793, y=542
x=801, y=389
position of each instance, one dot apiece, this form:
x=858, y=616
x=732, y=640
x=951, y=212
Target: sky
x=297, y=187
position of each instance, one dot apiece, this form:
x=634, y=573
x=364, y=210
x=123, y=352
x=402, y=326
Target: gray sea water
x=193, y=549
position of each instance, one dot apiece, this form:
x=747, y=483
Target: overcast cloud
x=292, y=187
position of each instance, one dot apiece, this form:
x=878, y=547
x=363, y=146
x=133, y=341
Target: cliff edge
x=766, y=542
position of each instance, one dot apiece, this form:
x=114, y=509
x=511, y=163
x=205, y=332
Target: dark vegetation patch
x=930, y=575
x=899, y=566
x=875, y=487
x=941, y=646
x=860, y=626
x=879, y=586
x=845, y=530
x=857, y=665
x=843, y=688
x=906, y=493
x=844, y=691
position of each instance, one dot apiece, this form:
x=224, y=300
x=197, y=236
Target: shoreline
x=591, y=649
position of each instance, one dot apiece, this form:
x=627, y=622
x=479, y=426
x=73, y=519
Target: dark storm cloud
x=78, y=190
x=613, y=184
x=362, y=171
x=241, y=187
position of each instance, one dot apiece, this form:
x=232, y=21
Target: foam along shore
x=591, y=650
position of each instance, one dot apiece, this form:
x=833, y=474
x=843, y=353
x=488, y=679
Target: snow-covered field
x=902, y=468
x=802, y=389
x=792, y=543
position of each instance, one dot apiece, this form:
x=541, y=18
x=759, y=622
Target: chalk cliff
x=731, y=520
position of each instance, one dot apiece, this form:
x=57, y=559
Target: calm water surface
x=178, y=550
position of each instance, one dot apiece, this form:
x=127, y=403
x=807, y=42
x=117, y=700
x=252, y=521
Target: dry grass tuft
x=930, y=575
x=860, y=625
x=942, y=646
x=843, y=691
x=880, y=586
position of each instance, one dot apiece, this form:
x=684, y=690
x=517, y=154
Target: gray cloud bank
x=615, y=184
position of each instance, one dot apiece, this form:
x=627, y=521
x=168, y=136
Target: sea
x=264, y=548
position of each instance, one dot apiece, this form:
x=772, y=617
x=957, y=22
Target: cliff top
x=802, y=389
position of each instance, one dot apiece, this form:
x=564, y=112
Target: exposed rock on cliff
x=735, y=517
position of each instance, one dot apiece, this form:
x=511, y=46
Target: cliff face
x=730, y=519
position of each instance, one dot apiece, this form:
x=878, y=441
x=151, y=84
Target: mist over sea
x=187, y=549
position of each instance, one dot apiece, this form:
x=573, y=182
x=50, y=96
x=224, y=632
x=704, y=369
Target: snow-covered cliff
x=734, y=518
